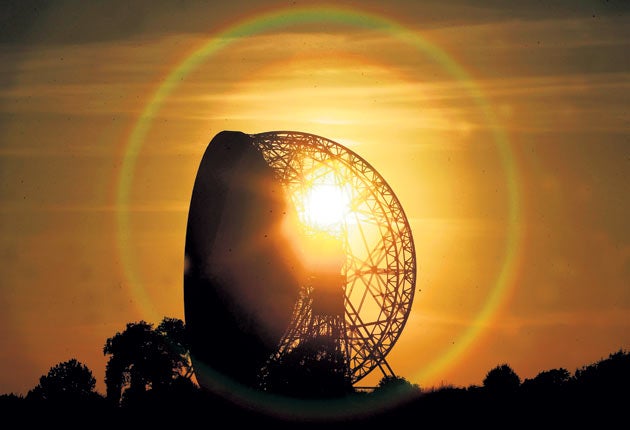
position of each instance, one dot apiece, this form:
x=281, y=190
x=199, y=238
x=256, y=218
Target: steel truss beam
x=380, y=279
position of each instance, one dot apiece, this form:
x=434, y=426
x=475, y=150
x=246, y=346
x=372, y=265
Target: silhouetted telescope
x=297, y=250
x=240, y=281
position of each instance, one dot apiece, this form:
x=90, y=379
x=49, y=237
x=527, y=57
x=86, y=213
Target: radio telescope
x=354, y=295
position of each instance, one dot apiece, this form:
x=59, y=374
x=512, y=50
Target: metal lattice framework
x=380, y=266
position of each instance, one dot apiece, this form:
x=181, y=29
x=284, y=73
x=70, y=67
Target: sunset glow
x=501, y=130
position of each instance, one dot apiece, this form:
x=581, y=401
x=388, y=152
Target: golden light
x=325, y=204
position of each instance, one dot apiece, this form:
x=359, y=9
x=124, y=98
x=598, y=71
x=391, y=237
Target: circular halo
x=281, y=18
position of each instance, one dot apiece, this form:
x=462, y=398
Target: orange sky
x=503, y=132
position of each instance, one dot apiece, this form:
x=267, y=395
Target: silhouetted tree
x=176, y=335
x=145, y=359
x=612, y=373
x=397, y=385
x=501, y=380
x=604, y=384
x=549, y=381
x=546, y=396
x=314, y=369
x=66, y=381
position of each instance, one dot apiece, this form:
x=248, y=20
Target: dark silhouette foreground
x=148, y=379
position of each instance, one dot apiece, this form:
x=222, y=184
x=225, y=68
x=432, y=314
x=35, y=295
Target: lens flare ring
x=283, y=18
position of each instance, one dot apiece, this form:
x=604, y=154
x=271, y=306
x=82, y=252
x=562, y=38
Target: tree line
x=149, y=376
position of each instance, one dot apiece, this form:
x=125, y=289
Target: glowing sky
x=502, y=130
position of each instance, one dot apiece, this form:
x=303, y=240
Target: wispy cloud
x=157, y=206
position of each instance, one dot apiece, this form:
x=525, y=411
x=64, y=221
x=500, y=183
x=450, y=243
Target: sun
x=325, y=207
x=321, y=219
x=324, y=204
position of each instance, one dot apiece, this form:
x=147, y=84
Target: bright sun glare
x=325, y=206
